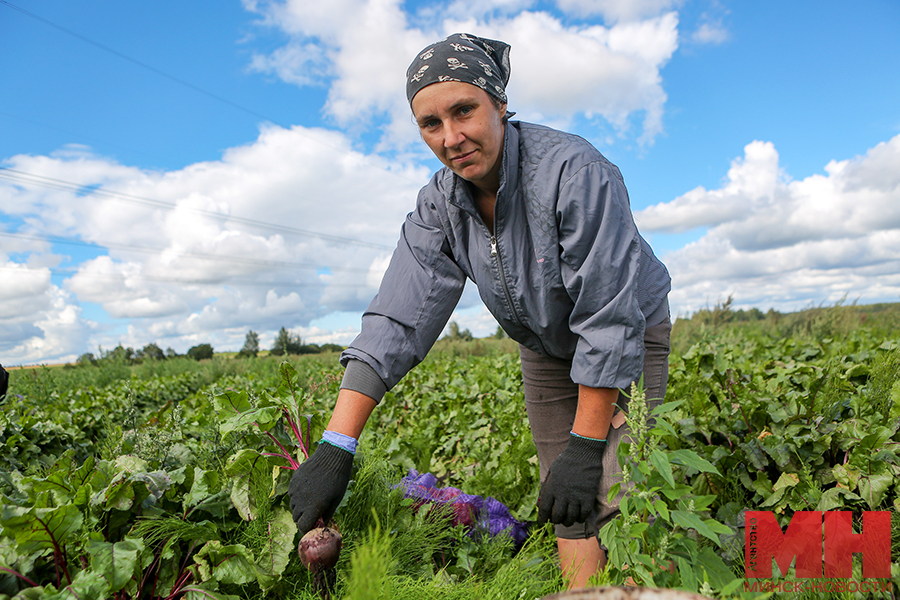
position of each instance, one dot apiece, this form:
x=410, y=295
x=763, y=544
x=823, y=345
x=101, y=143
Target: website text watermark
x=823, y=544
x=818, y=586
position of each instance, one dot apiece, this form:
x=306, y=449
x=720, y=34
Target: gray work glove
x=318, y=485
x=570, y=490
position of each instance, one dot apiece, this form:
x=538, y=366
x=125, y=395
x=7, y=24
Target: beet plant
x=170, y=480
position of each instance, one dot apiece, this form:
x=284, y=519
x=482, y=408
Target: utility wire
x=144, y=65
x=195, y=281
x=187, y=84
x=25, y=178
x=200, y=255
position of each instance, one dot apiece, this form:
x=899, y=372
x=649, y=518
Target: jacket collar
x=461, y=197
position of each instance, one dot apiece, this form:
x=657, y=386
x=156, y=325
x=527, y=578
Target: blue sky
x=759, y=142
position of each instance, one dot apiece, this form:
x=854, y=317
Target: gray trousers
x=551, y=399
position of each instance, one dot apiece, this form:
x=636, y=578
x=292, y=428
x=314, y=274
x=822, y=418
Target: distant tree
x=286, y=343
x=331, y=348
x=251, y=344
x=87, y=358
x=453, y=333
x=200, y=352
x=500, y=334
x=152, y=352
x=119, y=354
x=171, y=353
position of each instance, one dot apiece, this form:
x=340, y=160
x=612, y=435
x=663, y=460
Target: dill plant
x=375, y=574
x=883, y=386
x=393, y=549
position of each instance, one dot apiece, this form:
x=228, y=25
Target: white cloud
x=609, y=72
x=38, y=321
x=710, y=28
x=320, y=336
x=483, y=8
x=782, y=243
x=756, y=178
x=297, y=63
x=123, y=290
x=616, y=10
x=366, y=46
x=711, y=32
x=178, y=272
x=477, y=319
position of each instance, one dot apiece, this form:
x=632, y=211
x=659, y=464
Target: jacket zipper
x=509, y=300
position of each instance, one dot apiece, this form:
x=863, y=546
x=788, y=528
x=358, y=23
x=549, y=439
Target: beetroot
x=320, y=549
x=464, y=514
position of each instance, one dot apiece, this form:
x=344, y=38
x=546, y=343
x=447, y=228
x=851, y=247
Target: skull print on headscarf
x=461, y=57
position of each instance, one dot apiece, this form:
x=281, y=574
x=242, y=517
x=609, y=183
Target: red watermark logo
x=822, y=542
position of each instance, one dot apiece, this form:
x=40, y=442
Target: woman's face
x=464, y=129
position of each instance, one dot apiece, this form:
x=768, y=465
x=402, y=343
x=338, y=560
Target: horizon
x=264, y=352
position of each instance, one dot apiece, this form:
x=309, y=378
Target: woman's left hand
x=570, y=490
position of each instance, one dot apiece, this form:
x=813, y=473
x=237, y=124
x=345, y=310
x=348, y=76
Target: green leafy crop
x=168, y=479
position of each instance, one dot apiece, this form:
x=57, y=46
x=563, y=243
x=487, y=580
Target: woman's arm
x=417, y=295
x=595, y=410
x=570, y=489
x=600, y=262
x=351, y=411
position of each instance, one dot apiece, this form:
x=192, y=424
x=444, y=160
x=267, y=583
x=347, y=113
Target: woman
x=541, y=222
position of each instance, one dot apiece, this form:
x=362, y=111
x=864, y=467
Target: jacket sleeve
x=600, y=262
x=418, y=293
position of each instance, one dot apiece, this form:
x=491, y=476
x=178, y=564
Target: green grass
x=816, y=323
x=460, y=415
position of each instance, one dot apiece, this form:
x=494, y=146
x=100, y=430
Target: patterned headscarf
x=461, y=57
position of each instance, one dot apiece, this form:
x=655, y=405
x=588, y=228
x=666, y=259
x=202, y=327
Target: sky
x=182, y=173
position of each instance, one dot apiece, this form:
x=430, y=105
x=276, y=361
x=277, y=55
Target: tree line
x=285, y=343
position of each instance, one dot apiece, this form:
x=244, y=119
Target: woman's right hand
x=318, y=485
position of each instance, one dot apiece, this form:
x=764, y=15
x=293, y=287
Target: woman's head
x=464, y=128
x=456, y=89
x=461, y=57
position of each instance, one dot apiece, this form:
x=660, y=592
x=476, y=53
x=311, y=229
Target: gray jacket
x=566, y=272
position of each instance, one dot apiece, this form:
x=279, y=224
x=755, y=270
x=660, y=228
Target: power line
x=144, y=65
x=200, y=255
x=25, y=178
x=196, y=281
x=187, y=84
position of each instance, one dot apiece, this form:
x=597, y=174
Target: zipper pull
x=493, y=246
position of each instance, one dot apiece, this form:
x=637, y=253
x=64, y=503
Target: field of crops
x=168, y=479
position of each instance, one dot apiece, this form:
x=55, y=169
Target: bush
x=87, y=359
x=200, y=352
x=152, y=352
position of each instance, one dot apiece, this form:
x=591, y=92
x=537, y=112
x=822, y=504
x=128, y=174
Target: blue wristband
x=584, y=437
x=340, y=440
